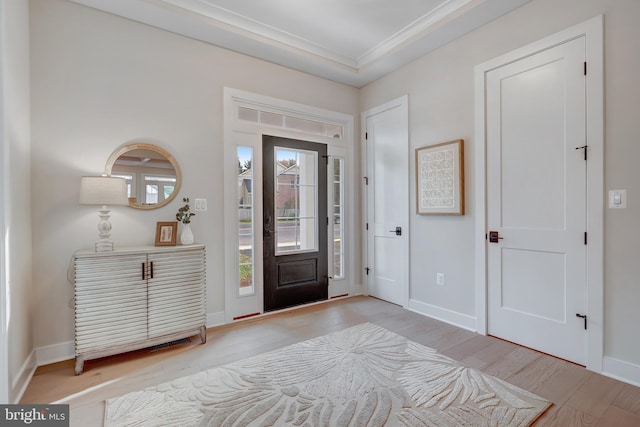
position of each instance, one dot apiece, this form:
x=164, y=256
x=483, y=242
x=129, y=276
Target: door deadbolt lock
x=494, y=237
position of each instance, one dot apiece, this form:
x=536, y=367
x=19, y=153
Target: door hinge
x=367, y=269
x=327, y=220
x=584, y=147
x=583, y=316
x=366, y=135
x=585, y=68
x=326, y=158
x=585, y=237
x=366, y=180
x=366, y=227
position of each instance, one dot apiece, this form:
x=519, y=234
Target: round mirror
x=153, y=175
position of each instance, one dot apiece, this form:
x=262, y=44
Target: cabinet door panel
x=110, y=300
x=176, y=292
x=87, y=322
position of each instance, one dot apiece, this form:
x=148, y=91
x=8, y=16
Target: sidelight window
x=338, y=217
x=245, y=221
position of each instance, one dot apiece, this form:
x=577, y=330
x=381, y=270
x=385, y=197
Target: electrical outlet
x=440, y=279
x=200, y=205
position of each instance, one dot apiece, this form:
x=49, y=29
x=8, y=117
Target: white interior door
x=536, y=201
x=387, y=158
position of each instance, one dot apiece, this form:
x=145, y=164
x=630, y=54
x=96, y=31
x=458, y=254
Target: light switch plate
x=200, y=205
x=617, y=199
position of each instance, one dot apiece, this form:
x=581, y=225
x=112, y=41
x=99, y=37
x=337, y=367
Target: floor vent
x=169, y=344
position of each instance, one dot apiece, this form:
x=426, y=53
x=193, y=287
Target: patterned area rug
x=361, y=376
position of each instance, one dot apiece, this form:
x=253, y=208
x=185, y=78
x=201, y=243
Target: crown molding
x=418, y=28
x=258, y=31
x=218, y=26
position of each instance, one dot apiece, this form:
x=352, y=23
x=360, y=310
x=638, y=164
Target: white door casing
x=4, y=295
x=387, y=201
x=536, y=201
x=539, y=258
x=248, y=132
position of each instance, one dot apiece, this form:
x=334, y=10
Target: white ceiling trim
x=254, y=28
x=227, y=29
x=259, y=30
x=420, y=26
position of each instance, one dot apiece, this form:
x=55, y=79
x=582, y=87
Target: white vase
x=186, y=235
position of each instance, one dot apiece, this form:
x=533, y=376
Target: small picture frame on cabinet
x=166, y=233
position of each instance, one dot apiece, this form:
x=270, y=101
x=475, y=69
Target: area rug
x=361, y=376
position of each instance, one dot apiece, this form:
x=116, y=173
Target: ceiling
x=349, y=41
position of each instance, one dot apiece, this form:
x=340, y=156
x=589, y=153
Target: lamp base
x=104, y=245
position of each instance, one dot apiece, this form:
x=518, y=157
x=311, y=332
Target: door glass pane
x=245, y=221
x=295, y=200
x=338, y=223
x=168, y=189
x=151, y=195
x=158, y=188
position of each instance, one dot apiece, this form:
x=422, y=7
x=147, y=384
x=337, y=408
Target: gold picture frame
x=166, y=233
x=440, y=179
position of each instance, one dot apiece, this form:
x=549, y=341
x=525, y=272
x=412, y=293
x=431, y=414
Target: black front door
x=294, y=222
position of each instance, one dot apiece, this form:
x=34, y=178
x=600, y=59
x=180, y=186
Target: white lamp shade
x=103, y=190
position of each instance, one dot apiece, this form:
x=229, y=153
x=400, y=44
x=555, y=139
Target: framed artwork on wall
x=440, y=179
x=166, y=233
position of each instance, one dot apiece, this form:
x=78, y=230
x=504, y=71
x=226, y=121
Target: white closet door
x=536, y=188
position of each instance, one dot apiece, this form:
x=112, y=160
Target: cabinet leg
x=79, y=365
x=203, y=334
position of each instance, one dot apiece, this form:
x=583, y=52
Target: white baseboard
x=23, y=378
x=55, y=353
x=65, y=350
x=613, y=368
x=356, y=289
x=620, y=370
x=215, y=319
x=454, y=318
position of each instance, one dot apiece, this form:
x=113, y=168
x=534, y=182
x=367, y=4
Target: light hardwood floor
x=580, y=397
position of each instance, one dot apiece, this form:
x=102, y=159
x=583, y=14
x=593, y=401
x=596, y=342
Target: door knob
x=267, y=233
x=494, y=237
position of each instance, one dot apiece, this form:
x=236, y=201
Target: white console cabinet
x=137, y=297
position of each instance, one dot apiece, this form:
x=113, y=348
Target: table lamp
x=103, y=190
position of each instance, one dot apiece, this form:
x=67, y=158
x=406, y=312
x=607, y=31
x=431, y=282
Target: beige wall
x=99, y=81
x=17, y=192
x=441, y=99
